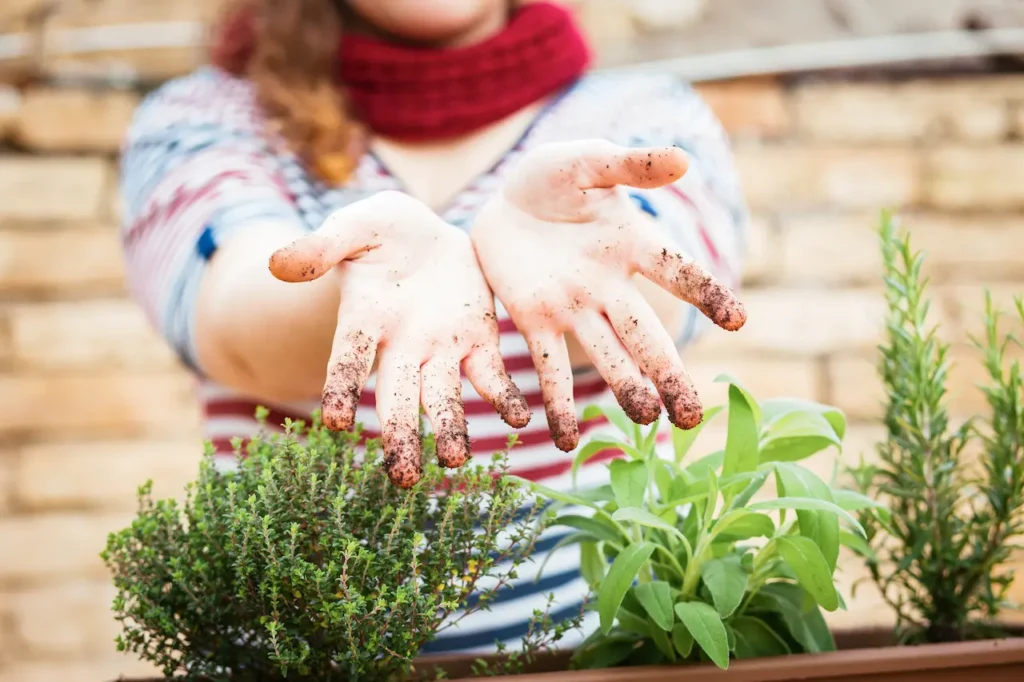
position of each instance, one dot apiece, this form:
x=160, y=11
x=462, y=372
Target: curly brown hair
x=288, y=49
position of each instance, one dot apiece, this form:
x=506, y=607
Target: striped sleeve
x=704, y=211
x=194, y=170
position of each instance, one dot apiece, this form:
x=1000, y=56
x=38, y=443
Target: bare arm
x=257, y=334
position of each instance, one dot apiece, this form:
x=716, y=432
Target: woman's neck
x=485, y=27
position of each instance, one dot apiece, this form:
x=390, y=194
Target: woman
x=395, y=162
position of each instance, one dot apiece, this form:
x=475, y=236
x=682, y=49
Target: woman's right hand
x=413, y=299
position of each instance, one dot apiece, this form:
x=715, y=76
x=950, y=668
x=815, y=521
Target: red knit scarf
x=415, y=93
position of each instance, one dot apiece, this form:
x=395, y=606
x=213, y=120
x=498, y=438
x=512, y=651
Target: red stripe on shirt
x=702, y=230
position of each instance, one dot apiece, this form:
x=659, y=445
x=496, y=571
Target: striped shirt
x=197, y=167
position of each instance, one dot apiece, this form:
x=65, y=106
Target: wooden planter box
x=863, y=656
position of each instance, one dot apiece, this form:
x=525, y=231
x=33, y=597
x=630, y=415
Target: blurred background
x=837, y=109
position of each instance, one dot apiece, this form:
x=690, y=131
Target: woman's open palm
x=560, y=245
x=413, y=299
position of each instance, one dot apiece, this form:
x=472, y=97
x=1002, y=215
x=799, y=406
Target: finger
x=551, y=358
x=686, y=279
x=652, y=347
x=442, y=399
x=645, y=167
x=398, y=407
x=620, y=372
x=345, y=233
x=486, y=371
x=352, y=356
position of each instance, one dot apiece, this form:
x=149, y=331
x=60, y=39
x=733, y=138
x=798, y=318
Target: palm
x=413, y=299
x=559, y=247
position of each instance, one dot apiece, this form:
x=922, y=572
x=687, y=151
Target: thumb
x=342, y=235
x=643, y=167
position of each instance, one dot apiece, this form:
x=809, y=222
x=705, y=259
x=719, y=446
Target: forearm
x=259, y=335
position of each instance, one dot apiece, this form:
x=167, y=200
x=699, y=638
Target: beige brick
x=77, y=260
x=6, y=341
x=7, y=475
x=762, y=255
x=764, y=378
x=803, y=322
x=1018, y=121
x=982, y=178
x=88, y=334
x=606, y=22
x=965, y=304
x=65, y=620
x=751, y=107
x=99, y=402
x=101, y=669
x=10, y=101
x=102, y=475
x=834, y=248
x=58, y=188
x=857, y=389
x=790, y=177
x=37, y=548
x=74, y=120
x=896, y=112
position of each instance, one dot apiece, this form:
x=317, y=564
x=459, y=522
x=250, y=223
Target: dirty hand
x=560, y=246
x=414, y=299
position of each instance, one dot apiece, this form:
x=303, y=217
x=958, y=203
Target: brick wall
x=92, y=403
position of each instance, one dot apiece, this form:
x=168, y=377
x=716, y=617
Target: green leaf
x=664, y=477
x=569, y=539
x=813, y=573
x=613, y=413
x=656, y=598
x=632, y=621
x=682, y=440
x=805, y=623
x=682, y=640
x=551, y=493
x=590, y=450
x=741, y=440
x=726, y=378
x=756, y=483
x=797, y=435
x=592, y=564
x=629, y=481
x=602, y=530
x=741, y=524
x=606, y=652
x=699, y=469
x=808, y=503
x=620, y=576
x=740, y=517
x=645, y=518
x=726, y=581
x=707, y=630
x=820, y=526
x=773, y=409
x=754, y=639
x=851, y=500
x=857, y=544
x=664, y=644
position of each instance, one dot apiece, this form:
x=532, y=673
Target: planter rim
x=829, y=665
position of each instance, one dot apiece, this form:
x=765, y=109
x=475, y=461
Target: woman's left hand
x=560, y=246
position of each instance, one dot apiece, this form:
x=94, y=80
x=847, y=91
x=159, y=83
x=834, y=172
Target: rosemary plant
x=940, y=560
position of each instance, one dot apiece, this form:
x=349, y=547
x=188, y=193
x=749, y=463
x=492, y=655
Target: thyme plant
x=940, y=561
x=307, y=563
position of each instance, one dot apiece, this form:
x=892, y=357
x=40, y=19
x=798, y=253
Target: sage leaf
x=726, y=581
x=656, y=598
x=618, y=580
x=629, y=482
x=707, y=630
x=812, y=572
